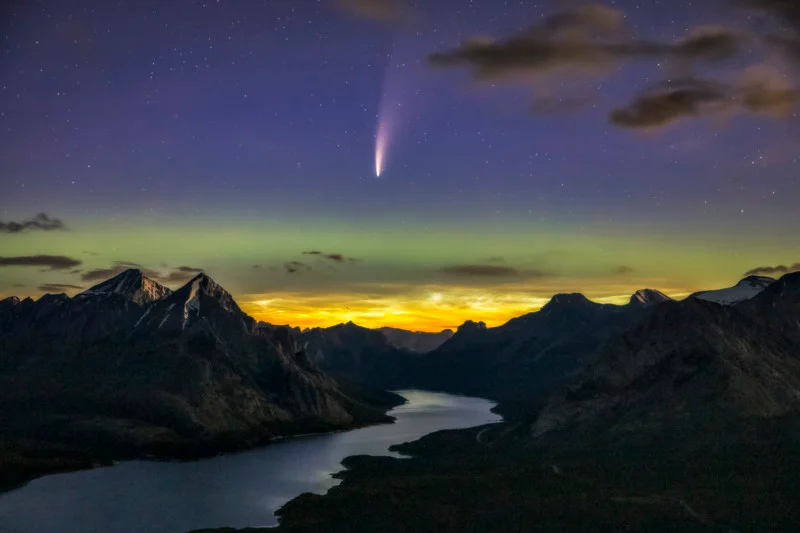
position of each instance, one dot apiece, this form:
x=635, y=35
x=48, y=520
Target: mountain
x=362, y=354
x=689, y=364
x=744, y=290
x=518, y=362
x=132, y=285
x=523, y=360
x=107, y=375
x=416, y=341
x=648, y=298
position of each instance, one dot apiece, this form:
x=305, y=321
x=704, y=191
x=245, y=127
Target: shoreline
x=28, y=468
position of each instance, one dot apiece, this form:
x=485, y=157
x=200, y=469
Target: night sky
x=601, y=150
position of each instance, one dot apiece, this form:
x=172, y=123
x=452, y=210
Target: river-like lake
x=237, y=490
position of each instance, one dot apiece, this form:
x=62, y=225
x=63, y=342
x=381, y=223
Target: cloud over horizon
x=52, y=262
x=40, y=222
x=339, y=258
x=58, y=287
x=293, y=267
x=494, y=271
x=772, y=270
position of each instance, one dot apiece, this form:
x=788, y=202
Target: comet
x=396, y=102
x=381, y=144
x=389, y=103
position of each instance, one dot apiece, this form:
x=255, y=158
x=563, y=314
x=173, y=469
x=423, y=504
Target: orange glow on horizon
x=429, y=309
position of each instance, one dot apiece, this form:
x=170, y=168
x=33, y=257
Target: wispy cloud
x=623, y=270
x=489, y=271
x=293, y=267
x=58, y=287
x=339, y=258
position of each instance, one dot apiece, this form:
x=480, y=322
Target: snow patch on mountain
x=744, y=290
x=192, y=303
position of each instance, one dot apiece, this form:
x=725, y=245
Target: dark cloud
x=595, y=40
x=623, y=270
x=51, y=262
x=585, y=40
x=380, y=10
x=293, y=267
x=773, y=270
x=676, y=100
x=181, y=274
x=339, y=258
x=256, y=267
x=494, y=271
x=58, y=287
x=89, y=253
x=189, y=270
x=40, y=222
x=19, y=285
x=495, y=259
x=760, y=90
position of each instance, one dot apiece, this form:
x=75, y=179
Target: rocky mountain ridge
x=111, y=375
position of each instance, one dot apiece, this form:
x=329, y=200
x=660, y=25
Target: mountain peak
x=11, y=300
x=648, y=298
x=132, y=285
x=567, y=301
x=756, y=280
x=9, y=303
x=53, y=298
x=188, y=299
x=470, y=325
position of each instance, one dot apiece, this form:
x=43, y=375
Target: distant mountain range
x=129, y=368
x=416, y=341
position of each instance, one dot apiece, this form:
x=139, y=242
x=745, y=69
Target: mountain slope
x=524, y=359
x=690, y=363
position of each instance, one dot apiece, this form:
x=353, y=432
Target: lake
x=238, y=489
